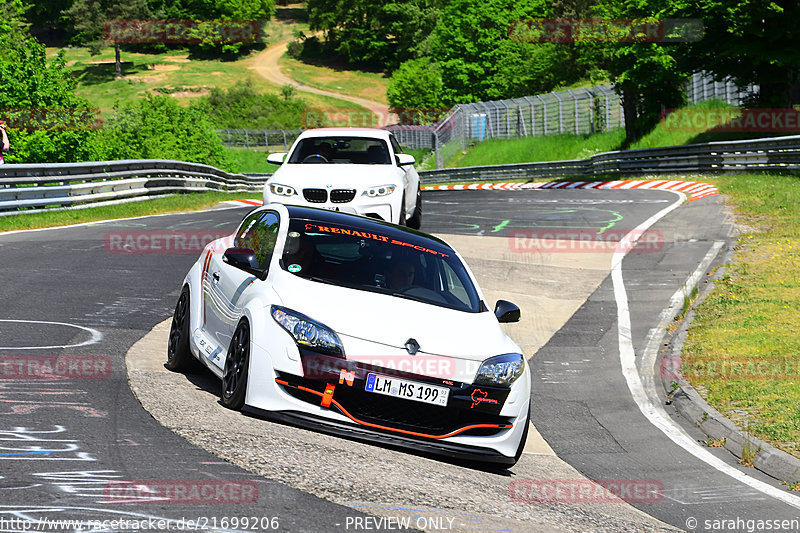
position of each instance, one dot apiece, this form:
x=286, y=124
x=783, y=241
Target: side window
x=259, y=233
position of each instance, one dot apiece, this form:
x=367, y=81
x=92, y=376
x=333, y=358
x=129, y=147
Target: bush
x=242, y=106
x=158, y=128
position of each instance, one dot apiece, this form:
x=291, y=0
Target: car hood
x=387, y=322
x=321, y=175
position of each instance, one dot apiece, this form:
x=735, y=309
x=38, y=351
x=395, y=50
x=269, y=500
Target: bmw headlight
x=307, y=332
x=381, y=190
x=281, y=190
x=501, y=370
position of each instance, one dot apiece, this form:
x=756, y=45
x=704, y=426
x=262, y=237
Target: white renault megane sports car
x=357, y=327
x=354, y=170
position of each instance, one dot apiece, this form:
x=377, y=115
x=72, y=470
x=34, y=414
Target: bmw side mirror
x=506, y=312
x=276, y=159
x=404, y=159
x=244, y=259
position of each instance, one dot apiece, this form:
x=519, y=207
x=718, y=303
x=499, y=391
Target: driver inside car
x=401, y=275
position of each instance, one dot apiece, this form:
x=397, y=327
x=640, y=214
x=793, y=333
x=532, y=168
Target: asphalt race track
x=69, y=447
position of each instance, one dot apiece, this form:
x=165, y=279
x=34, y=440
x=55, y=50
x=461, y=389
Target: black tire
x=521, y=446
x=178, y=355
x=415, y=221
x=234, y=379
x=402, y=220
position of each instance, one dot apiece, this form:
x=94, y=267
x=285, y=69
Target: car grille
x=342, y=196
x=317, y=196
x=405, y=414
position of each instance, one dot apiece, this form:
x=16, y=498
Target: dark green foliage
x=242, y=106
x=374, y=33
x=158, y=128
x=46, y=121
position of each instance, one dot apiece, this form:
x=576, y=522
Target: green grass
x=172, y=204
x=752, y=315
x=335, y=77
x=170, y=73
x=561, y=147
x=248, y=160
x=549, y=148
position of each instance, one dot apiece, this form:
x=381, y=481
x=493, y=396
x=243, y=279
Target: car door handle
x=215, y=275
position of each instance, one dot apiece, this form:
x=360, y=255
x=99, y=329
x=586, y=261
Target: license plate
x=410, y=390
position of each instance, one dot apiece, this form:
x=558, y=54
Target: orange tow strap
x=328, y=396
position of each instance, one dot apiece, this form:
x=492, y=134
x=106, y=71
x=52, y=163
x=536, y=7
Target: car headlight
x=281, y=190
x=381, y=190
x=307, y=332
x=502, y=370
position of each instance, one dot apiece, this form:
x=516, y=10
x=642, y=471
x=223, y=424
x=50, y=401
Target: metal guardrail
x=41, y=187
x=33, y=188
x=771, y=154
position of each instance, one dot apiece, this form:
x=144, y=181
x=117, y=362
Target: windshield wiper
x=409, y=297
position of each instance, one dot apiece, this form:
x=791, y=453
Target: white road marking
x=95, y=336
x=654, y=412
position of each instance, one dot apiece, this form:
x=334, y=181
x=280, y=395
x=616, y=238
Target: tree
x=374, y=33
x=91, y=17
x=647, y=75
x=47, y=122
x=751, y=41
x=415, y=91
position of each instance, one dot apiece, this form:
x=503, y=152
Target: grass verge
x=171, y=204
x=742, y=349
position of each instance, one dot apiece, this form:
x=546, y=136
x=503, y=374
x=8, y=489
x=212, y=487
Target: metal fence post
x=560, y=114
x=544, y=114
x=591, y=110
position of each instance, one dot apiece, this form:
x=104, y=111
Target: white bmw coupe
x=354, y=170
x=356, y=327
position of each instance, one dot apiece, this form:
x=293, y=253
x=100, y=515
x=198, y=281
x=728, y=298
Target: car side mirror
x=277, y=158
x=404, y=159
x=244, y=259
x=506, y=312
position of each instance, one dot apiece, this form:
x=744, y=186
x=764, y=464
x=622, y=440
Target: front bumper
x=471, y=416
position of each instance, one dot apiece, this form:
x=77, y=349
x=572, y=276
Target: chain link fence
x=268, y=140
x=577, y=111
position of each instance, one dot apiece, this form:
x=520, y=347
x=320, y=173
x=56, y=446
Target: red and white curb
x=244, y=202
x=693, y=189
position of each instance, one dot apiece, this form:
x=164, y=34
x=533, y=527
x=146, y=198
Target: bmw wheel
x=234, y=380
x=178, y=355
x=415, y=221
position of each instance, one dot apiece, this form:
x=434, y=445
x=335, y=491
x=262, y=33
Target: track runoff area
x=592, y=271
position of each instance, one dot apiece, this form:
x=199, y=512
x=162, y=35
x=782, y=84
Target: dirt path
x=265, y=64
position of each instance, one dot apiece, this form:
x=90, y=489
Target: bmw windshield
x=414, y=268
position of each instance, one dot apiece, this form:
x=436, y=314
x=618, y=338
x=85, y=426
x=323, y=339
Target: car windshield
x=421, y=270
x=341, y=150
